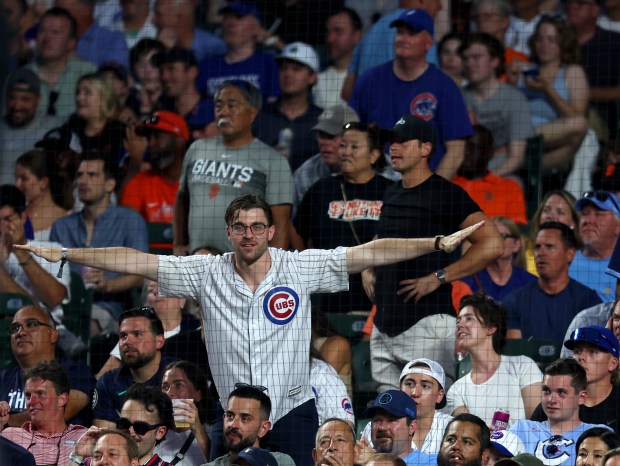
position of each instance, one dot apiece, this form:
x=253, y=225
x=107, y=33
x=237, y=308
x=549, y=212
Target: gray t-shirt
x=214, y=175
x=506, y=114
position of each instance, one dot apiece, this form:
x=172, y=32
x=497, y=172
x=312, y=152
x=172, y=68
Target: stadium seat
x=10, y=303
x=363, y=384
x=542, y=351
x=531, y=174
x=348, y=325
x=6, y=355
x=160, y=238
x=77, y=311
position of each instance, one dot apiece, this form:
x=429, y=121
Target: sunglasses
x=139, y=427
x=253, y=387
x=29, y=324
x=601, y=196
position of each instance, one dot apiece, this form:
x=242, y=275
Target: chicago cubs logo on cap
x=347, y=406
x=424, y=106
x=385, y=398
x=280, y=305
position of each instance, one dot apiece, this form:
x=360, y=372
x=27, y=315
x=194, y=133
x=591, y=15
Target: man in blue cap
x=393, y=423
x=599, y=228
x=597, y=350
x=254, y=456
x=408, y=84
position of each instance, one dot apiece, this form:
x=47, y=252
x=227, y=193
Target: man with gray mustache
x=218, y=170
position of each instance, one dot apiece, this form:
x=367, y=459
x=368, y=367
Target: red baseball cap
x=168, y=122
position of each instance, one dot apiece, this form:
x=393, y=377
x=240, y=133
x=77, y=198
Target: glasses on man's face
x=602, y=196
x=256, y=228
x=253, y=387
x=27, y=325
x=139, y=427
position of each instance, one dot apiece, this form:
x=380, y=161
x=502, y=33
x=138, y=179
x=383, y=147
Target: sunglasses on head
x=139, y=427
x=601, y=196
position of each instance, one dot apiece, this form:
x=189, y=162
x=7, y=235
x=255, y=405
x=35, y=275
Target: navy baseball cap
x=604, y=200
x=241, y=9
x=411, y=127
x=595, y=335
x=416, y=20
x=395, y=402
x=257, y=457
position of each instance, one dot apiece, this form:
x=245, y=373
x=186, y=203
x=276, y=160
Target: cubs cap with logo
x=506, y=443
x=300, y=53
x=604, y=200
x=411, y=127
x=435, y=371
x=416, y=20
x=257, y=457
x=168, y=122
x=522, y=459
x=595, y=335
x=394, y=402
x=334, y=118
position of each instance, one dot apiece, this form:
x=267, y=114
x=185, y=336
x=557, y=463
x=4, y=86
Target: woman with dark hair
x=36, y=178
x=343, y=210
x=148, y=86
x=593, y=445
x=450, y=60
x=187, y=383
x=496, y=381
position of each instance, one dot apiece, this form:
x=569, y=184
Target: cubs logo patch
x=347, y=406
x=424, y=106
x=280, y=305
x=553, y=451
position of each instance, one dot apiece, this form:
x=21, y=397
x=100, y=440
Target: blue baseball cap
x=416, y=20
x=241, y=9
x=595, y=335
x=604, y=200
x=257, y=457
x=395, y=402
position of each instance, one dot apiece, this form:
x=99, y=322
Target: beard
x=442, y=460
x=137, y=362
x=381, y=447
x=244, y=442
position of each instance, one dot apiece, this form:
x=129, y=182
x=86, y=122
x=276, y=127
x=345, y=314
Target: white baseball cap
x=301, y=53
x=507, y=443
x=436, y=371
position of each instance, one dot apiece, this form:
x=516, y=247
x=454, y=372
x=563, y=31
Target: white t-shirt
x=502, y=390
x=326, y=92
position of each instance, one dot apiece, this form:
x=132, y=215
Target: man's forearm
x=47, y=288
x=387, y=251
x=123, y=283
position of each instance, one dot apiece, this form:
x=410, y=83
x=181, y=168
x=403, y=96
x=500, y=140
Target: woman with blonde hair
x=505, y=273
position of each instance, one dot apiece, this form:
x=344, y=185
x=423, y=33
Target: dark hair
x=570, y=51
x=568, y=366
x=492, y=44
x=10, y=196
x=609, y=438
x=491, y=314
x=376, y=139
x=450, y=36
x=477, y=155
x=60, y=12
x=253, y=393
x=484, y=437
x=249, y=92
x=207, y=247
x=569, y=240
x=110, y=169
x=130, y=444
x=198, y=379
x=148, y=313
x=570, y=201
x=154, y=400
x=247, y=202
x=43, y=165
x=337, y=419
x=143, y=47
x=52, y=371
x=610, y=454
x=394, y=459
x=354, y=17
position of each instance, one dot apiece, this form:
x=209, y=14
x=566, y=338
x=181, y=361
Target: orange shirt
x=152, y=196
x=496, y=196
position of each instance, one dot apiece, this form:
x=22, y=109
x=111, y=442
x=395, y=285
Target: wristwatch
x=441, y=276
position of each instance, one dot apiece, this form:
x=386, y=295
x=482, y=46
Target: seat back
x=77, y=311
x=349, y=325
x=531, y=173
x=6, y=354
x=363, y=384
x=10, y=303
x=542, y=351
x=160, y=238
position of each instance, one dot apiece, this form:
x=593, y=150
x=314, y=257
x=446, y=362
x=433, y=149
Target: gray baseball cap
x=334, y=118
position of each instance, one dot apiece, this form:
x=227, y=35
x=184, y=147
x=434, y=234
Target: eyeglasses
x=29, y=324
x=256, y=228
x=139, y=427
x=508, y=235
x=601, y=196
x=253, y=387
